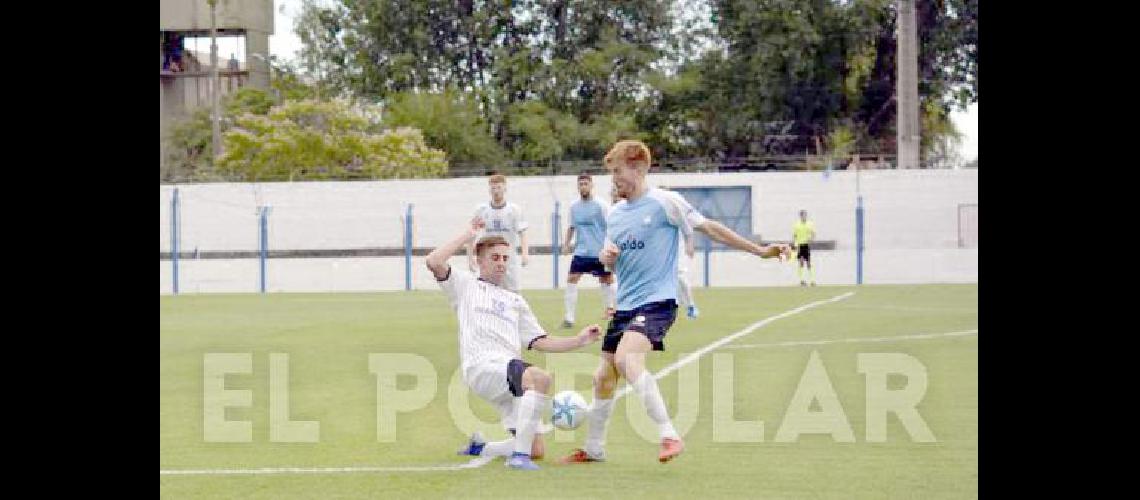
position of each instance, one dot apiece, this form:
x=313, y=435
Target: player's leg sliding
x=530, y=407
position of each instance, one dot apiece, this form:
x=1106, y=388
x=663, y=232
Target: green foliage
x=318, y=140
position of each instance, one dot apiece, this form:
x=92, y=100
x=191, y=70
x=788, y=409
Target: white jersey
x=506, y=221
x=494, y=323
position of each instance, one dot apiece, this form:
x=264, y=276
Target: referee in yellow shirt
x=803, y=232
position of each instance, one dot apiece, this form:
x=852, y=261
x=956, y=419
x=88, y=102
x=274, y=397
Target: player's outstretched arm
x=437, y=259
x=568, y=243
x=563, y=344
x=719, y=232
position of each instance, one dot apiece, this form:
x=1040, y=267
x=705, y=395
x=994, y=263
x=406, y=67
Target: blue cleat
x=693, y=311
x=521, y=461
x=473, y=447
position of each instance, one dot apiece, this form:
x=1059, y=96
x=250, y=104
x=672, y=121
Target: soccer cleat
x=521, y=461
x=693, y=311
x=473, y=447
x=803, y=283
x=579, y=456
x=813, y=283
x=567, y=324
x=670, y=448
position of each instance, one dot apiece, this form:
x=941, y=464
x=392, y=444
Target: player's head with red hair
x=629, y=162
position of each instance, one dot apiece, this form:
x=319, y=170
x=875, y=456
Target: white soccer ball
x=568, y=410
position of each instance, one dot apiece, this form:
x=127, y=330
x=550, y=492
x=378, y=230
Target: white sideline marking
x=481, y=461
x=854, y=341
x=689, y=358
x=473, y=463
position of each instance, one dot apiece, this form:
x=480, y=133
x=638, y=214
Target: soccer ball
x=568, y=411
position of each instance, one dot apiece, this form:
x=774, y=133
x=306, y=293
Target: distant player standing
x=684, y=289
x=803, y=232
x=641, y=246
x=503, y=218
x=588, y=221
x=494, y=324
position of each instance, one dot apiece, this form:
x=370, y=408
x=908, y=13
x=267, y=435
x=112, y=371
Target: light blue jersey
x=648, y=232
x=589, y=221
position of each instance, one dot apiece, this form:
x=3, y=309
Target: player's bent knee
x=536, y=379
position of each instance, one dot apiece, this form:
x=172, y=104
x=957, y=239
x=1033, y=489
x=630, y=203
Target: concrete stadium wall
x=911, y=227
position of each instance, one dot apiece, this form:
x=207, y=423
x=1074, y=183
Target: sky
x=284, y=44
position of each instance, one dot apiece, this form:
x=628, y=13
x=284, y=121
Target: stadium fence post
x=175, y=221
x=408, y=247
x=263, y=243
x=556, y=221
x=859, y=240
x=708, y=251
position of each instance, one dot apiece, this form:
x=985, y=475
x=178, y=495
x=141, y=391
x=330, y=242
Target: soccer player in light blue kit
x=588, y=221
x=642, y=241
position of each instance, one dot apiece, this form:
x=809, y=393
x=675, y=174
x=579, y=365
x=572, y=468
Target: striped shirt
x=494, y=323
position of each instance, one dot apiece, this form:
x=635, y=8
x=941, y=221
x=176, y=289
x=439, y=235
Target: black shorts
x=592, y=265
x=652, y=320
x=804, y=252
x=515, y=371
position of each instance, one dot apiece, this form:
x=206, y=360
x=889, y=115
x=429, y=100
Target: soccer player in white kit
x=684, y=289
x=503, y=218
x=494, y=324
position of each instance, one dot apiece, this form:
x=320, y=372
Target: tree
x=320, y=140
x=189, y=141
x=450, y=121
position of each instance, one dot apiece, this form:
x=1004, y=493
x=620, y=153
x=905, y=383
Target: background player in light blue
x=588, y=221
x=641, y=246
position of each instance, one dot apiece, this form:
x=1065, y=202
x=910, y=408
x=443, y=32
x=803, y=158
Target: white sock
x=646, y=387
x=530, y=410
x=684, y=294
x=608, y=295
x=498, y=448
x=571, y=300
x=599, y=416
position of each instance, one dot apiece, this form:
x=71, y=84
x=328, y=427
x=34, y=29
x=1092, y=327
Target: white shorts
x=489, y=381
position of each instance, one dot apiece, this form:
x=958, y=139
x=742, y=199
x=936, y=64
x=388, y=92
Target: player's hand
x=525, y=259
x=609, y=254
x=589, y=334
x=609, y=313
x=476, y=225
x=785, y=252
x=566, y=249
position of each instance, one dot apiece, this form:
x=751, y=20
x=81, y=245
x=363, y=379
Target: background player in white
x=685, y=296
x=641, y=246
x=494, y=324
x=588, y=221
x=503, y=218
